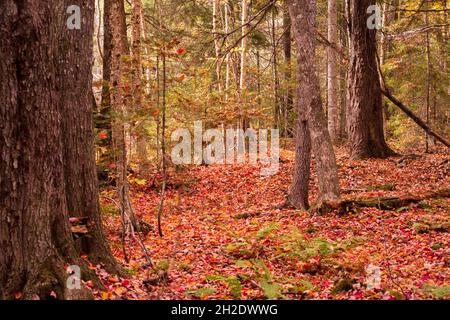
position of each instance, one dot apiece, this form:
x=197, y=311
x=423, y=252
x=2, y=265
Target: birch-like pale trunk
x=244, y=48
x=227, y=58
x=216, y=4
x=333, y=96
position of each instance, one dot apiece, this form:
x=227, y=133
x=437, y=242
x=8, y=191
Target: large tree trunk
x=303, y=16
x=333, y=96
x=365, y=105
x=300, y=183
x=40, y=188
x=77, y=134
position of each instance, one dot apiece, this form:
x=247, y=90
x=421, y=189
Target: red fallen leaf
x=125, y=282
x=102, y=136
x=196, y=221
x=358, y=295
x=425, y=278
x=17, y=295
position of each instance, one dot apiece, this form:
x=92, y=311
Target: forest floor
x=225, y=236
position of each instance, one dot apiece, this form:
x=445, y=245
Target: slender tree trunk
x=333, y=96
x=244, y=48
x=118, y=106
x=365, y=104
x=287, y=48
x=126, y=65
x=137, y=90
x=343, y=37
x=227, y=58
x=428, y=84
x=386, y=18
x=303, y=16
x=384, y=23
x=103, y=120
x=216, y=6
x=276, y=81
x=258, y=81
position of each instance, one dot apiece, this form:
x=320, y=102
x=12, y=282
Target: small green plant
x=201, y=293
x=437, y=246
x=265, y=232
x=108, y=209
x=252, y=246
x=292, y=246
x=302, y=286
x=261, y=273
x=438, y=292
x=233, y=283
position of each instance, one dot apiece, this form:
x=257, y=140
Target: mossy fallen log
x=389, y=203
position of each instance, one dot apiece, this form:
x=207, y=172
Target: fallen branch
x=415, y=118
x=389, y=203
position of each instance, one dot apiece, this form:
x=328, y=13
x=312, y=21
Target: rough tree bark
x=303, y=16
x=38, y=178
x=300, y=183
x=365, y=104
x=80, y=172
